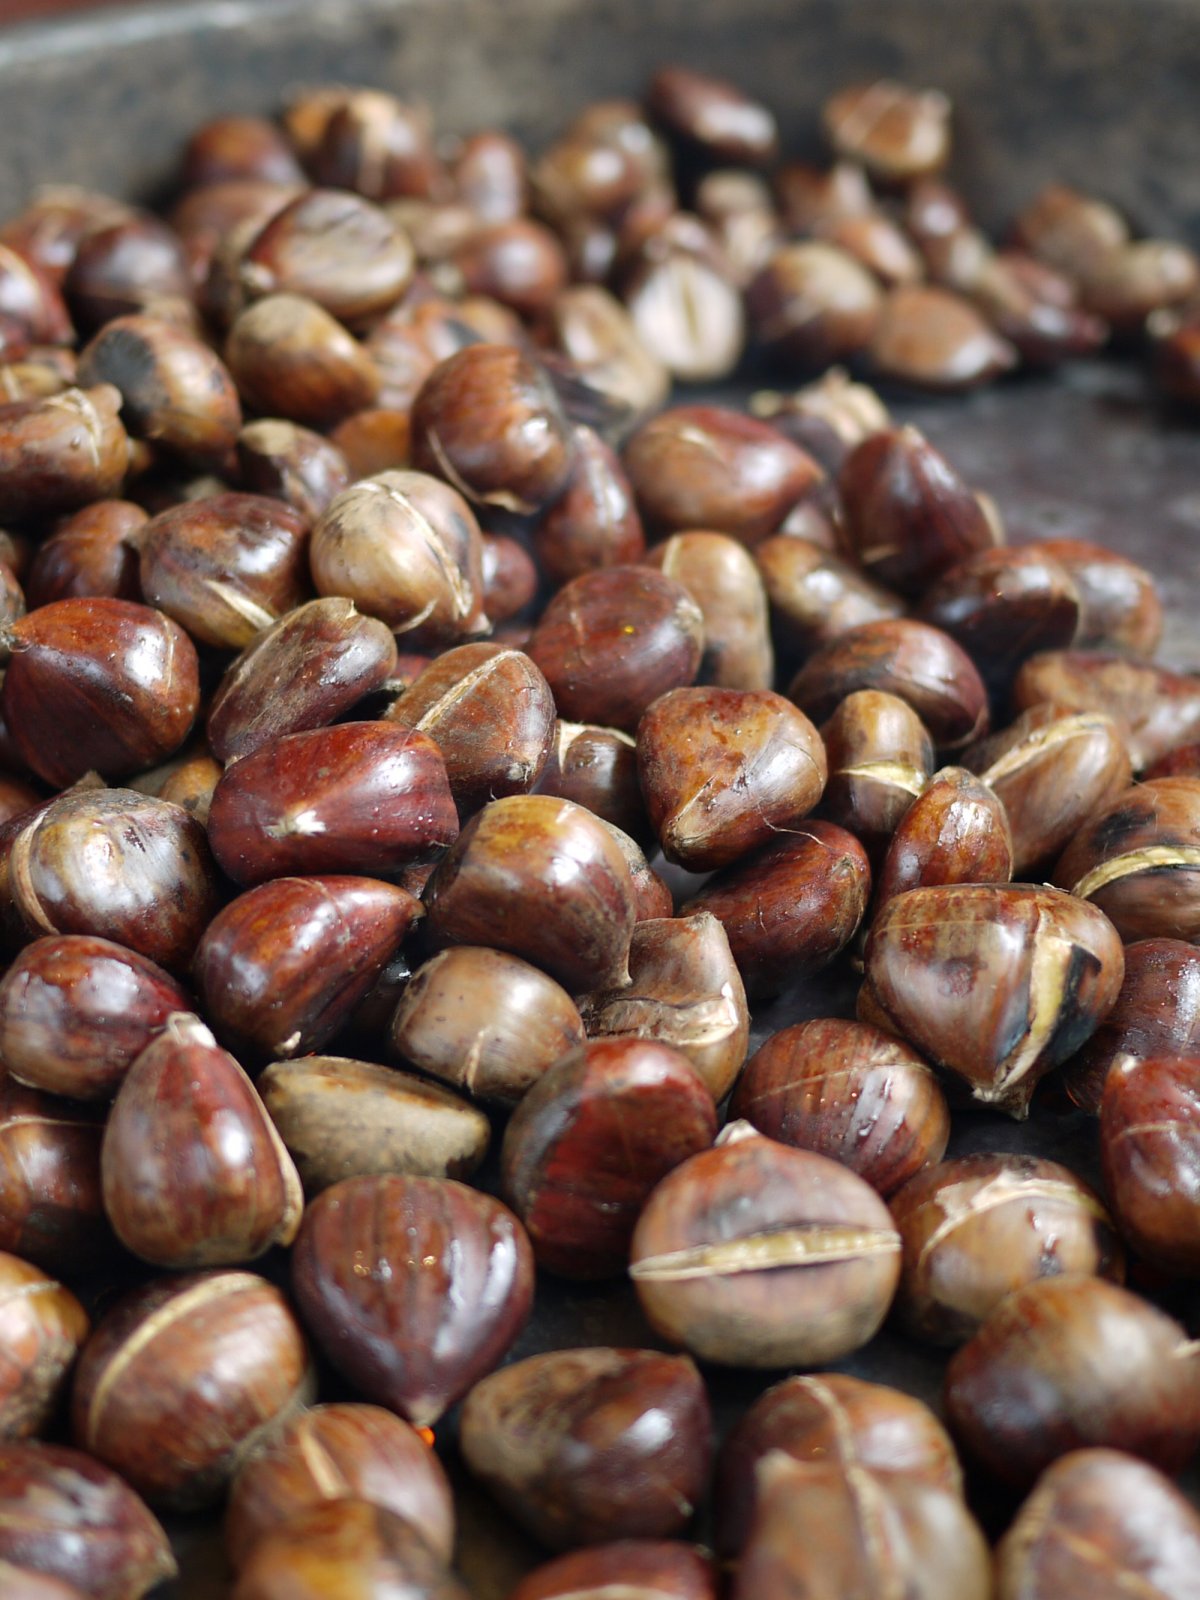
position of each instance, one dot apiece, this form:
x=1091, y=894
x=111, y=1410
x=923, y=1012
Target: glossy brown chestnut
x=61, y=451
x=935, y=339
x=484, y=1021
x=611, y=641
x=955, y=831
x=1138, y=859
x=98, y=684
x=42, y=1326
x=1155, y=709
x=1069, y=1362
x=91, y=553
x=595, y=521
x=650, y=1569
x=565, y=1442
x=67, y=1516
x=143, y=1399
x=880, y=757
x=980, y=1227
x=828, y=1419
x=850, y=1092
x=292, y=464
x=919, y=664
x=1120, y=607
x=813, y=303
x=591, y=1139
x=998, y=983
x=1100, y=1517
x=291, y=359
x=1157, y=1013
x=896, y=132
x=1150, y=1153
x=815, y=596
x=722, y=579
x=51, y=1211
x=360, y=797
x=238, y=147
x=543, y=879
x=517, y=261
x=76, y=1011
x=754, y=1254
x=352, y=1119
x=713, y=114
x=339, y=1452
x=597, y=769
x=790, y=907
x=134, y=263
x=413, y=1287
x=366, y=140
x=117, y=864
x=510, y=577
x=1070, y=230
x=30, y=299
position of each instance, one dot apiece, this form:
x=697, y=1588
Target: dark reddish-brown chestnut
x=955, y=831
x=51, y=1212
x=880, y=757
x=1157, y=1013
x=42, y=1327
x=649, y=1567
x=1155, y=709
x=1150, y=1156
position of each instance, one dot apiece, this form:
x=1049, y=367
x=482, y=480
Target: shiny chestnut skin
x=955, y=831
x=291, y=359
x=490, y=712
x=597, y=769
x=51, y=1212
x=1051, y=771
x=723, y=770
x=117, y=864
x=595, y=522
x=1155, y=709
x=834, y=1419
x=721, y=577
x=61, y=451
x=721, y=1255
x=98, y=684
x=91, y=553
x=42, y=1327
x=1100, y=1516
x=290, y=463
x=1157, y=1013
x=67, y=1516
x=510, y=577
x=1138, y=859
x=413, y=1287
x=281, y=968
x=591, y=1139
x=304, y=671
x=897, y=133
x=611, y=641
x=360, y=797
x=339, y=1452
x=238, y=147
x=880, y=757
x=517, y=261
x=1120, y=607
x=351, y=1119
x=543, y=879
x=791, y=906
x=135, y=263
x=142, y=1399
x=564, y=1441
x=30, y=299
x=932, y=338
x=815, y=595
x=663, y=1568
x=713, y=115
x=1149, y=1152
x=908, y=516
x=976, y=1228
x=1070, y=230
x=484, y=1021
x=998, y=983
x=919, y=664
x=1069, y=1362
x=848, y=1091
x=489, y=422
x=193, y=1172
x=812, y=303
x=76, y=1011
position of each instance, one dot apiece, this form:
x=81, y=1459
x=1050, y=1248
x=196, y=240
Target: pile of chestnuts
x=371, y=619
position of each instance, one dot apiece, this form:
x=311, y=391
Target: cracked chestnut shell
x=753, y=1254
x=61, y=451
x=996, y=983
x=583, y=1446
x=880, y=757
x=1155, y=709
x=597, y=768
x=413, y=1287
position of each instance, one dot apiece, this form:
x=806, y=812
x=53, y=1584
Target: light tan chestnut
x=723, y=770
x=723, y=580
x=997, y=983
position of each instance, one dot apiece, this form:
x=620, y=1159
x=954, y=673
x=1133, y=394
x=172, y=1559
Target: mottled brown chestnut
x=723, y=770
x=908, y=516
x=722, y=579
x=1051, y=771
x=996, y=983
x=932, y=338
x=1069, y=1362
x=713, y=468
x=790, y=907
x=292, y=464
x=850, y=1092
x=66, y=1516
x=896, y=132
x=595, y=521
x=98, y=685
x=828, y=1419
x=143, y=1399
x=193, y=1171
x=612, y=641
x=291, y=359
x=684, y=990
x=757, y=1255
x=1157, y=1013
x=42, y=1326
x=51, y=1212
x=413, y=1287
x=117, y=864
x=815, y=596
x=1100, y=1517
x=566, y=1443
x=543, y=879
x=339, y=1452
x=812, y=303
x=597, y=769
x=305, y=671
x=955, y=831
x=979, y=1227
x=1150, y=1155
x=918, y=664
x=361, y=797
x=1154, y=708
x=91, y=553
x=61, y=451
x=352, y=1119
x=589, y=1142
x=1138, y=859
x=1120, y=607
x=484, y=1021
x=880, y=757
x=281, y=968
x=647, y=1567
